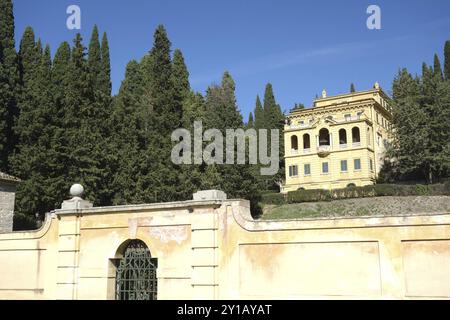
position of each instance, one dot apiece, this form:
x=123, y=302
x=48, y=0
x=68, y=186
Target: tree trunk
x=430, y=176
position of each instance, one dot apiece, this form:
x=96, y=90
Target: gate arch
x=136, y=273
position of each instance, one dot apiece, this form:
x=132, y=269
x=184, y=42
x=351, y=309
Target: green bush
x=312, y=195
x=378, y=190
x=273, y=198
x=422, y=190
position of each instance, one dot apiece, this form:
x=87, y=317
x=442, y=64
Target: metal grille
x=136, y=273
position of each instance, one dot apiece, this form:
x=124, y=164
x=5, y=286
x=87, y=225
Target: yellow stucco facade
x=213, y=249
x=338, y=142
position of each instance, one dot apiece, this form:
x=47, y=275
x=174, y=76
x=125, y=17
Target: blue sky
x=301, y=47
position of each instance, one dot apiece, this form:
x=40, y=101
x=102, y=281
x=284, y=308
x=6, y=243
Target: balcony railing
x=343, y=146
x=324, y=148
x=356, y=144
x=294, y=151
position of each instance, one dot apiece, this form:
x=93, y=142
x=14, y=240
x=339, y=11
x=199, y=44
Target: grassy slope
x=385, y=206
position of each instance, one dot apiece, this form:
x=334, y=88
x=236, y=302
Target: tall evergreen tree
x=105, y=71
x=223, y=113
x=274, y=119
x=180, y=76
x=447, y=60
x=9, y=83
x=128, y=137
x=437, y=68
x=260, y=122
x=250, y=122
x=95, y=59
x=162, y=115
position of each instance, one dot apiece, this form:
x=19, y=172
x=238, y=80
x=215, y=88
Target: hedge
x=273, y=198
x=378, y=190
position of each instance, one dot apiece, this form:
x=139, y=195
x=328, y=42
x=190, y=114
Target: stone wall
x=213, y=249
x=7, y=198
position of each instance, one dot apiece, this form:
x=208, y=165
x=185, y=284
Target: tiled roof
x=7, y=177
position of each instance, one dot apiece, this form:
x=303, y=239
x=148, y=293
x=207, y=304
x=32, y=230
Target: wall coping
x=179, y=205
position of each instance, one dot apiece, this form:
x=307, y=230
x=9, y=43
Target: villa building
x=339, y=142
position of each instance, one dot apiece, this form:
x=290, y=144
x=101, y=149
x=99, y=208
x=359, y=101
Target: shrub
x=422, y=190
x=273, y=198
x=385, y=190
x=313, y=195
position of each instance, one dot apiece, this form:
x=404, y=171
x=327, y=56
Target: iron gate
x=136, y=273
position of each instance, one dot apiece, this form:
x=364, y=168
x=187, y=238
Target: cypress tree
x=259, y=115
x=352, y=88
x=250, y=123
x=447, y=60
x=9, y=83
x=437, y=68
x=95, y=60
x=274, y=119
x=105, y=73
x=127, y=119
x=223, y=113
x=162, y=114
x=180, y=75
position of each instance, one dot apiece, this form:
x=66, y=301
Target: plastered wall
x=213, y=249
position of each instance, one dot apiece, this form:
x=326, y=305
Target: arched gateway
x=136, y=273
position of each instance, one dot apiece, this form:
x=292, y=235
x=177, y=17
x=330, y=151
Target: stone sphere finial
x=76, y=190
x=377, y=85
x=324, y=93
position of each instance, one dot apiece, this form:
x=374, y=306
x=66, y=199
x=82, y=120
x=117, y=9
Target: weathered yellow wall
x=214, y=250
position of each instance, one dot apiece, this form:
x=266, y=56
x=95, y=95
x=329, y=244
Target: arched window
x=351, y=185
x=324, y=137
x=356, y=137
x=294, y=143
x=342, y=136
x=306, y=141
x=136, y=273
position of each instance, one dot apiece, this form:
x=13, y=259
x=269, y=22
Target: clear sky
x=301, y=47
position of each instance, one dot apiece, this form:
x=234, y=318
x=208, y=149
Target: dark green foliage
x=437, y=68
x=105, y=71
x=9, y=83
x=250, y=122
x=260, y=122
x=273, y=198
x=447, y=60
x=378, y=190
x=421, y=107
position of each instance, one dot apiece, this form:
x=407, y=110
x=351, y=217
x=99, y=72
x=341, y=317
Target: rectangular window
x=357, y=164
x=371, y=165
x=324, y=167
x=344, y=165
x=293, y=171
x=307, y=169
x=302, y=122
x=348, y=117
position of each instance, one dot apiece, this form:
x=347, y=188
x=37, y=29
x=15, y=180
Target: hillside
x=378, y=206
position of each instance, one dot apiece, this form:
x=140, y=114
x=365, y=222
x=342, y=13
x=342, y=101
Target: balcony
x=323, y=151
x=294, y=152
x=356, y=144
x=343, y=146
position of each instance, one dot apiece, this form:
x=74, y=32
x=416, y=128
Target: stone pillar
x=69, y=244
x=205, y=251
